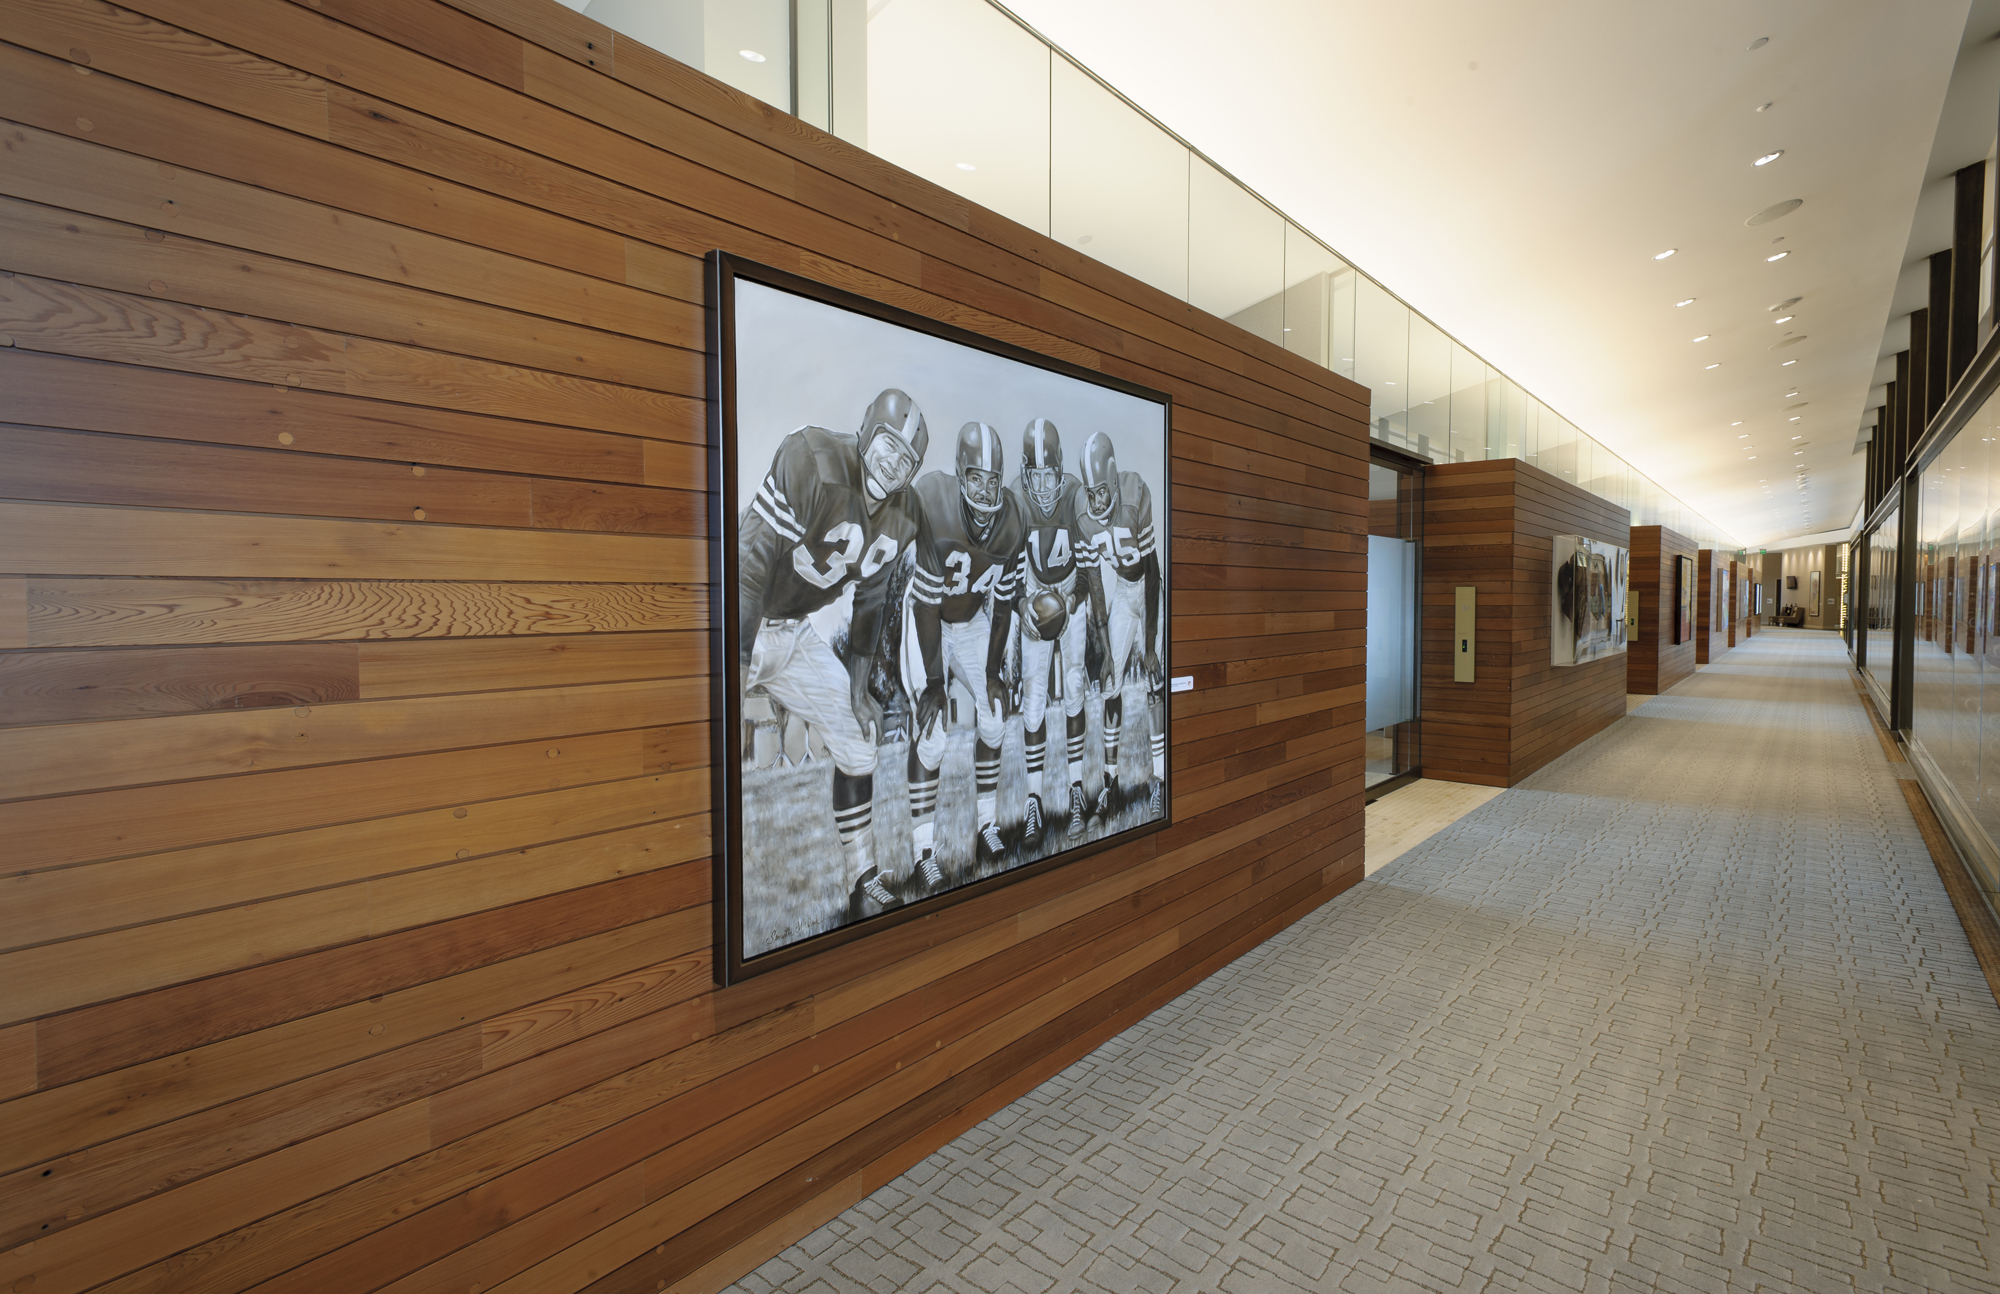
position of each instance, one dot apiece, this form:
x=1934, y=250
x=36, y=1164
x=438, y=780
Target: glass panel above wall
x=1430, y=389
x=1236, y=254
x=1319, y=300
x=1118, y=187
x=1382, y=361
x=744, y=43
x=979, y=128
x=1470, y=410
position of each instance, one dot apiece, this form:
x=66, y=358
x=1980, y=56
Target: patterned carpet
x=1687, y=1011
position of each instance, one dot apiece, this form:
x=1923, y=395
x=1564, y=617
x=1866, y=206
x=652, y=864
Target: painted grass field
x=794, y=885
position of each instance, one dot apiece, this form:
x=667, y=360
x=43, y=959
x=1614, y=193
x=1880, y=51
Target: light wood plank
x=63, y=758
x=114, y=613
x=17, y=1060
x=79, y=1257
x=422, y=668
x=68, y=686
x=79, y=175
x=125, y=44
x=65, y=539
x=170, y=266
x=91, y=323
x=13, y=611
x=67, y=902
x=77, y=972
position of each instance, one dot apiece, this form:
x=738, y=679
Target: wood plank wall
x=1711, y=639
x=1492, y=525
x=1656, y=662
x=1742, y=621
x=356, y=931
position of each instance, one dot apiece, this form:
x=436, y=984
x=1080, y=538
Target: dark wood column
x=1937, y=353
x=1918, y=389
x=1968, y=217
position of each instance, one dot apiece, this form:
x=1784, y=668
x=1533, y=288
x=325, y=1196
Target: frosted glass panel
x=979, y=128
x=1392, y=595
x=1119, y=184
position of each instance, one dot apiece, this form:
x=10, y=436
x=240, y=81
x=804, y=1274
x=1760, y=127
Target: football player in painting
x=976, y=533
x=1057, y=577
x=1118, y=523
x=834, y=513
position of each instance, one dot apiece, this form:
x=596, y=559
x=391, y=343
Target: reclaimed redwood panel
x=1491, y=525
x=395, y=418
x=1656, y=662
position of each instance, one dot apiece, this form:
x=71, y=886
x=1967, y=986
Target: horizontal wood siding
x=1656, y=662
x=1711, y=639
x=354, y=675
x=1492, y=525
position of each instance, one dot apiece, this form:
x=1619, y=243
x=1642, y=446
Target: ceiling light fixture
x=1688, y=302
x=1779, y=257
x=752, y=55
x=1788, y=363
x=1768, y=158
x=1663, y=255
x=1759, y=43
x=966, y=166
x=1737, y=423
x=1793, y=418
x=1786, y=319
x=1703, y=337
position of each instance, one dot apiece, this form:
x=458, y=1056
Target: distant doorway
x=1395, y=609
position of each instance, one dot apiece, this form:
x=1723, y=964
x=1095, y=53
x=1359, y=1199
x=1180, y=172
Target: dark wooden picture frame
x=797, y=832
x=1684, y=599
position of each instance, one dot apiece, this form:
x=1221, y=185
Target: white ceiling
x=1511, y=170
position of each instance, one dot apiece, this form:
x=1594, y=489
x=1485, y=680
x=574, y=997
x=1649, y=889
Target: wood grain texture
x=1656, y=662
x=1492, y=525
x=57, y=612
x=354, y=925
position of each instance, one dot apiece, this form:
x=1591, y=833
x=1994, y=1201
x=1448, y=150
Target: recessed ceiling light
x=1688, y=302
x=1779, y=257
x=1793, y=418
x=1759, y=43
x=1786, y=304
x=1768, y=158
x=966, y=166
x=1660, y=256
x=1742, y=435
x=1788, y=363
x=1753, y=458
x=1786, y=319
x=1703, y=337
x=1737, y=423
x=752, y=55
x=1712, y=366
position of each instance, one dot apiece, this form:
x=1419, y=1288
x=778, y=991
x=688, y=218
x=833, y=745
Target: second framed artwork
x=944, y=588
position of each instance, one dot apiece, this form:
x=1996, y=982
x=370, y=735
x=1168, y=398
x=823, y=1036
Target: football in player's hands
x=1048, y=613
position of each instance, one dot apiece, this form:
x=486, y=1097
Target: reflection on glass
x=979, y=127
x=1236, y=254
x=1394, y=505
x=1882, y=600
x=1430, y=389
x=745, y=43
x=957, y=92
x=1381, y=361
x=1954, y=653
x=1319, y=301
x=1119, y=185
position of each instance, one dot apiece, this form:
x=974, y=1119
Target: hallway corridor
x=1689, y=1010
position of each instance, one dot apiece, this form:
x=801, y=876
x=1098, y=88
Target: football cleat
x=870, y=897
x=1158, y=801
x=1031, y=821
x=988, y=847
x=1107, y=799
x=932, y=874
x=1076, y=808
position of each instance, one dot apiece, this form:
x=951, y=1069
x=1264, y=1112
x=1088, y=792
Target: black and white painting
x=946, y=570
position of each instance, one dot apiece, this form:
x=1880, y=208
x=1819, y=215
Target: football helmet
x=978, y=468
x=1042, y=464
x=893, y=441
x=1099, y=469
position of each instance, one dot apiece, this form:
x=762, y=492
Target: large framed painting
x=944, y=586
x=1587, y=600
x=1684, y=594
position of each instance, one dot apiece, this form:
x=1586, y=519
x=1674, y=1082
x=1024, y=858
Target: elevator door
x=1395, y=497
